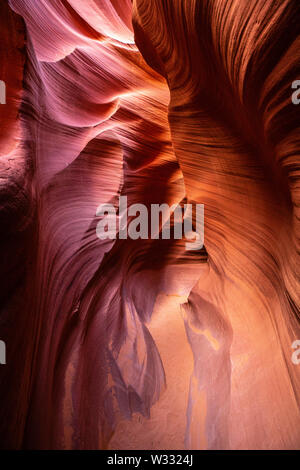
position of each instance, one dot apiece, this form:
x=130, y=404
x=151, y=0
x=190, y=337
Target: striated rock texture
x=139, y=344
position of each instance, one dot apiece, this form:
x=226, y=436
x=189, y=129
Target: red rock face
x=139, y=344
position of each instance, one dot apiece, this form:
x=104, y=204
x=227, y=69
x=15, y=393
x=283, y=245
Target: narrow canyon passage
x=128, y=339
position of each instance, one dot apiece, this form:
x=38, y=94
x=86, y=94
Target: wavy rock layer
x=140, y=344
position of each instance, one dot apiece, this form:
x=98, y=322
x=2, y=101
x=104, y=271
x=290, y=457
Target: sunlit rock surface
x=125, y=344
